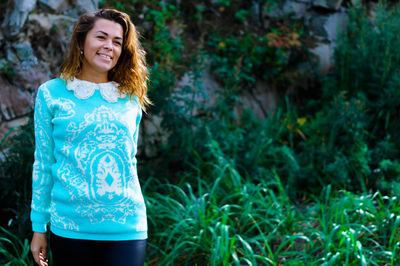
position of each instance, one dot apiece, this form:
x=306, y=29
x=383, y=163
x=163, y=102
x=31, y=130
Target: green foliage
x=224, y=2
x=367, y=69
x=5, y=68
x=13, y=250
x=330, y=147
x=15, y=177
x=242, y=15
x=392, y=169
x=231, y=222
x=334, y=146
x=363, y=229
x=352, y=133
x=241, y=59
x=164, y=42
x=166, y=46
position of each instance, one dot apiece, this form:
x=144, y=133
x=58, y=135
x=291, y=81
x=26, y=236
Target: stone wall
x=33, y=40
x=34, y=35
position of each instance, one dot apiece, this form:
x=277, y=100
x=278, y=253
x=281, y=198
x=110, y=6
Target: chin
x=103, y=66
x=104, y=69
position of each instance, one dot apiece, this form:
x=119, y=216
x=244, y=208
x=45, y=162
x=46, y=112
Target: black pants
x=66, y=251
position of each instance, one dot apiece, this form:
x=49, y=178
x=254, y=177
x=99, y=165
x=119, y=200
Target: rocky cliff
x=34, y=35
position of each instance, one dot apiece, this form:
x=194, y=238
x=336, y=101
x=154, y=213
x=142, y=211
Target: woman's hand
x=39, y=248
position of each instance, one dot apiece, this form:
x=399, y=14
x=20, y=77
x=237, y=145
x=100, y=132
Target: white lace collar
x=84, y=89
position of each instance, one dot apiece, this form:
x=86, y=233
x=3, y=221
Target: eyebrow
x=105, y=33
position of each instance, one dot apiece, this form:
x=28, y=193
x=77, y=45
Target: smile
x=105, y=56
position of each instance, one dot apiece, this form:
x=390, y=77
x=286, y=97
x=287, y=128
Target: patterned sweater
x=85, y=179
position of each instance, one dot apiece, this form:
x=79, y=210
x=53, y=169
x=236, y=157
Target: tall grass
x=235, y=222
x=13, y=250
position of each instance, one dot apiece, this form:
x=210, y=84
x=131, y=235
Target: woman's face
x=102, y=47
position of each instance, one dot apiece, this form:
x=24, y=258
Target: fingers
x=40, y=258
x=43, y=254
x=43, y=259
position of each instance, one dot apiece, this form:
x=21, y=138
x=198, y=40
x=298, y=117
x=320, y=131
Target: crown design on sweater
x=85, y=89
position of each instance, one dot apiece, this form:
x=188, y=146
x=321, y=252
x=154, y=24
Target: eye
x=117, y=43
x=101, y=37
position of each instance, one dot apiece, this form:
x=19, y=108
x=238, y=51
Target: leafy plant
x=239, y=60
x=14, y=251
x=15, y=176
x=367, y=69
x=234, y=222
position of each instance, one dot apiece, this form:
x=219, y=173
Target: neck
x=93, y=76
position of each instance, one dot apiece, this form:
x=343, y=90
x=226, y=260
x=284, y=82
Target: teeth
x=105, y=56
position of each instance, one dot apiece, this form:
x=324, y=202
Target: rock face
x=54, y=5
x=287, y=8
x=328, y=27
x=260, y=100
x=50, y=35
x=15, y=18
x=329, y=4
x=323, y=18
x=13, y=101
x=190, y=96
x=34, y=35
x=323, y=53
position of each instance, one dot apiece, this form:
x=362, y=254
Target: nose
x=108, y=44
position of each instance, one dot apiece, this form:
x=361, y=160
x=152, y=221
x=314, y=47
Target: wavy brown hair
x=130, y=72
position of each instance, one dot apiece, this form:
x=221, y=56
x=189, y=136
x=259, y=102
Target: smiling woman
x=102, y=48
x=85, y=183
x=130, y=72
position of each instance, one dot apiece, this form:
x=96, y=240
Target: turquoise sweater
x=85, y=179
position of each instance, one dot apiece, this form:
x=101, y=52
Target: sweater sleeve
x=42, y=181
x=138, y=119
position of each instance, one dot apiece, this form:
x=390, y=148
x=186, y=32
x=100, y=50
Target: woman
x=85, y=182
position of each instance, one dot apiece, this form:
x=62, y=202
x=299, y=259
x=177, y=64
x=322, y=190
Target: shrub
x=15, y=178
x=367, y=69
x=360, y=108
x=242, y=58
